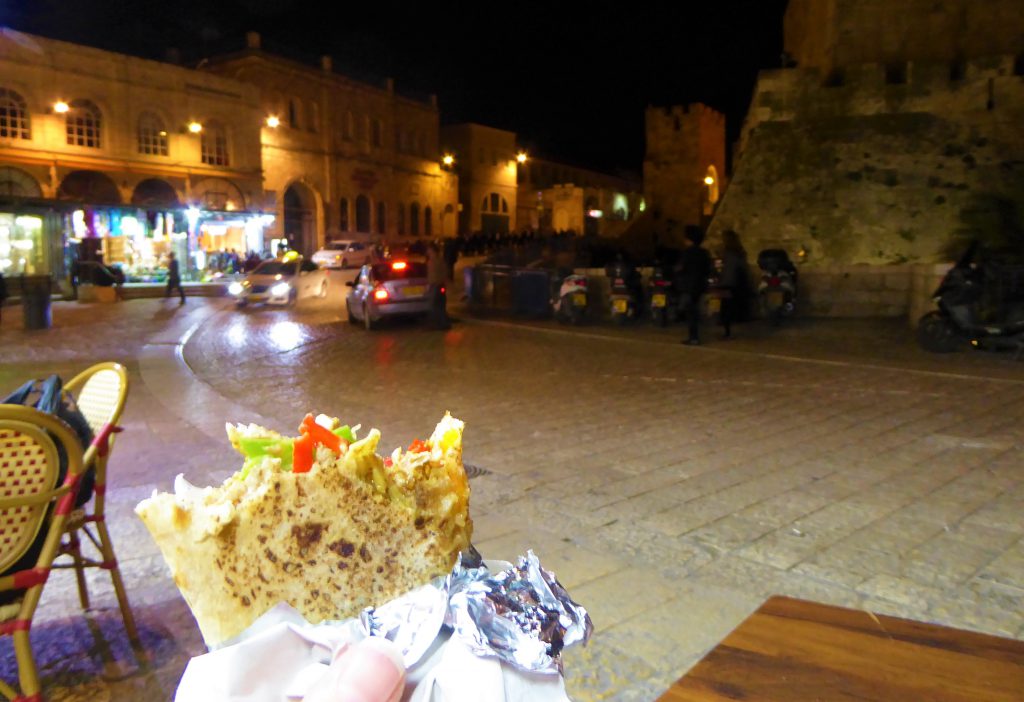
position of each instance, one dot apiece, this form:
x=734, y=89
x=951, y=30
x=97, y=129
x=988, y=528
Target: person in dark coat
x=733, y=281
x=174, y=277
x=437, y=279
x=692, y=272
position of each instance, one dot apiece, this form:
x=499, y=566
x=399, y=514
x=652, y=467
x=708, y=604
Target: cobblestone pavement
x=671, y=489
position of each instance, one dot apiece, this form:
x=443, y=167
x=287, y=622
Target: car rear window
x=386, y=271
x=337, y=246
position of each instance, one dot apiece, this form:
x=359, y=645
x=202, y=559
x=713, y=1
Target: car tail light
x=774, y=280
x=661, y=283
x=399, y=266
x=582, y=282
x=619, y=281
x=442, y=290
x=380, y=294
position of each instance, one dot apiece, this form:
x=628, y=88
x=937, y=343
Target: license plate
x=714, y=304
x=657, y=300
x=579, y=299
x=620, y=306
x=412, y=291
x=775, y=298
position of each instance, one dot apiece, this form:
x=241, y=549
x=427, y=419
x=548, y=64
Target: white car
x=343, y=253
x=281, y=282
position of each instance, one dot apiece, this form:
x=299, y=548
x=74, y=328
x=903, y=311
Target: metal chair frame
x=45, y=432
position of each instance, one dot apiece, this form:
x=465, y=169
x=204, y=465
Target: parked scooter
x=663, y=297
x=624, y=294
x=777, y=289
x=571, y=304
x=978, y=301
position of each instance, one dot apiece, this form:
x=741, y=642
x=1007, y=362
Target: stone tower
x=684, y=167
x=892, y=135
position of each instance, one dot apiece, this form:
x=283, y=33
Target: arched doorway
x=89, y=186
x=18, y=183
x=154, y=193
x=300, y=218
x=363, y=214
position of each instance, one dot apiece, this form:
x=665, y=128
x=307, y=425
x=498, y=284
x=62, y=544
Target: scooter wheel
x=936, y=333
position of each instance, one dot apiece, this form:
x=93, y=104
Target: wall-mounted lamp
x=521, y=157
x=448, y=160
x=195, y=127
x=708, y=180
x=60, y=107
x=273, y=121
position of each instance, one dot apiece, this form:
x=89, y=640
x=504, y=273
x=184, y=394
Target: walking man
x=437, y=278
x=174, y=277
x=692, y=281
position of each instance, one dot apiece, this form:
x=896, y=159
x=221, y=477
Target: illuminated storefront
x=23, y=248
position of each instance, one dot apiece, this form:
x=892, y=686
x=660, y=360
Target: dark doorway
x=363, y=214
x=299, y=219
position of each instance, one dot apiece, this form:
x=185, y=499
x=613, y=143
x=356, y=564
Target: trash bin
x=35, y=301
x=531, y=293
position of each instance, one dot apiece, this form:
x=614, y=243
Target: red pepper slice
x=320, y=435
x=418, y=446
x=302, y=454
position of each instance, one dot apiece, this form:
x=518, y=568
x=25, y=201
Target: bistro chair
x=31, y=503
x=100, y=393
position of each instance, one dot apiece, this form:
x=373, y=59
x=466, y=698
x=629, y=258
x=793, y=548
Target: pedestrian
x=3, y=294
x=692, y=273
x=733, y=281
x=437, y=279
x=174, y=277
x=451, y=255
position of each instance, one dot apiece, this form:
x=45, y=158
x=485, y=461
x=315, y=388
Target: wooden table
x=796, y=650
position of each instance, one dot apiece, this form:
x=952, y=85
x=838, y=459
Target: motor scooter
x=979, y=301
x=777, y=289
x=624, y=294
x=571, y=304
x=663, y=298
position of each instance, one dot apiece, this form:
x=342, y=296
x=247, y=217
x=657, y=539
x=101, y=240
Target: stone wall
x=877, y=172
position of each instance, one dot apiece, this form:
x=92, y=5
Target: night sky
x=571, y=78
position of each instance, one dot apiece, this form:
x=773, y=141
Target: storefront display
x=22, y=248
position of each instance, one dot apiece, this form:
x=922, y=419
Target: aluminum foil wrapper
x=518, y=613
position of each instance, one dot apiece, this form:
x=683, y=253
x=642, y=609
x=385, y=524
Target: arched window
x=214, y=145
x=293, y=113
x=350, y=126
x=313, y=123
x=152, y=135
x=382, y=222
x=343, y=214
x=13, y=115
x=414, y=219
x=428, y=223
x=400, y=217
x=363, y=214
x=83, y=123
x=495, y=204
x=377, y=132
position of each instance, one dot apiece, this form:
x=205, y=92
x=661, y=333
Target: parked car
x=281, y=282
x=344, y=253
x=388, y=289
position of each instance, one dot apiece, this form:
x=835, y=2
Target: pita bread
x=354, y=531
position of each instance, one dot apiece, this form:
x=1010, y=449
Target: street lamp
x=273, y=121
x=195, y=127
x=60, y=107
x=521, y=157
x=448, y=160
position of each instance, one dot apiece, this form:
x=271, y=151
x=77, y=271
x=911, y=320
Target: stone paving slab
x=672, y=489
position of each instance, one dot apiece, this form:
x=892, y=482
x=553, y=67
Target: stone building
x=485, y=160
x=344, y=156
x=684, y=168
x=122, y=157
x=892, y=134
x=558, y=197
